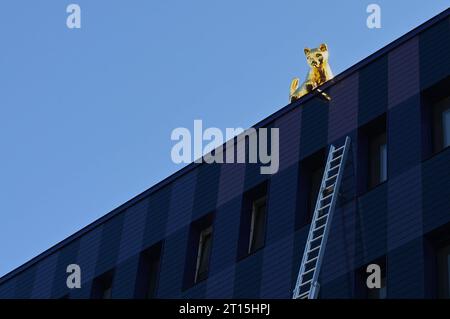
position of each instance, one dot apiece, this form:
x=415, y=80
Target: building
x=227, y=231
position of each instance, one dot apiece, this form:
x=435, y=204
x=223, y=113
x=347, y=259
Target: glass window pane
x=383, y=290
x=107, y=293
x=383, y=163
x=259, y=227
x=204, y=251
x=316, y=181
x=443, y=271
x=448, y=275
x=446, y=127
x=153, y=270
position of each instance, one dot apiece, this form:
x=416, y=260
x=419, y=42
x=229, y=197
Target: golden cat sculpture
x=319, y=73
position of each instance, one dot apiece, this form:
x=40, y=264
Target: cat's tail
x=293, y=88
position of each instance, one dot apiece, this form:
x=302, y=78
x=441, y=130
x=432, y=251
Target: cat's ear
x=323, y=47
x=307, y=51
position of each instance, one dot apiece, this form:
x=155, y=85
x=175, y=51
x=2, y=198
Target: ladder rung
x=311, y=260
x=323, y=198
x=305, y=294
x=323, y=207
x=334, y=167
x=306, y=282
x=329, y=178
x=338, y=149
x=331, y=186
x=307, y=272
x=321, y=217
x=315, y=248
x=316, y=238
x=336, y=158
x=319, y=228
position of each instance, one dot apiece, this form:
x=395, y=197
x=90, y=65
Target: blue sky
x=86, y=115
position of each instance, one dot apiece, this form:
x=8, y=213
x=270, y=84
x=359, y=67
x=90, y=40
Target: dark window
x=148, y=272
x=372, y=154
x=107, y=292
x=258, y=225
x=377, y=160
x=443, y=263
x=316, y=181
x=204, y=252
x=441, y=125
x=362, y=289
x=437, y=262
x=378, y=293
x=252, y=228
x=310, y=178
x=435, y=116
x=102, y=286
x=199, y=248
x=446, y=125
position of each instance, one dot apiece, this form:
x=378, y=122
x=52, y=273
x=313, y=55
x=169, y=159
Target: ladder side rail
x=314, y=287
x=311, y=227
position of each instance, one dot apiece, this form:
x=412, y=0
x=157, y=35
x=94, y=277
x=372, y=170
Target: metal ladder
x=307, y=286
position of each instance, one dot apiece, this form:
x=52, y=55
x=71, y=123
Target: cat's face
x=317, y=57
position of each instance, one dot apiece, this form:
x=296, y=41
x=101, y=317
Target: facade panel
x=396, y=222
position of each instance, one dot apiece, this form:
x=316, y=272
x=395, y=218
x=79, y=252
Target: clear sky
x=86, y=115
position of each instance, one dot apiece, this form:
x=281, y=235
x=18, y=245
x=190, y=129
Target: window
x=435, y=116
x=372, y=154
x=437, y=262
x=446, y=126
x=362, y=290
x=443, y=263
x=252, y=227
x=441, y=125
x=377, y=160
x=106, y=294
x=102, y=286
x=310, y=178
x=199, y=248
x=378, y=293
x=315, y=182
x=148, y=272
x=258, y=225
x=153, y=269
x=204, y=251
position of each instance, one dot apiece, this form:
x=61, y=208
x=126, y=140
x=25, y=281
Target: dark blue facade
x=397, y=221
